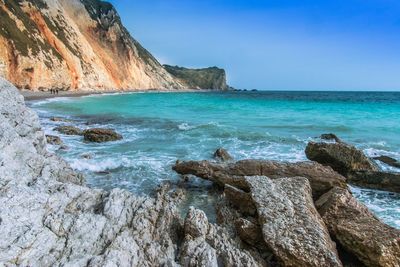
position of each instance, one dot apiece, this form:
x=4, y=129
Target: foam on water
x=190, y=126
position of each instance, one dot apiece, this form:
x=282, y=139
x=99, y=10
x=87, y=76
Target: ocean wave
x=383, y=204
x=187, y=127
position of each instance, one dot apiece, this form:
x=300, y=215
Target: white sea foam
x=185, y=127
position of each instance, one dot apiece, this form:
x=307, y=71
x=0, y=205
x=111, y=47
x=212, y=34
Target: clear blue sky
x=275, y=44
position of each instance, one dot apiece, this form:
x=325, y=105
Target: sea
x=160, y=128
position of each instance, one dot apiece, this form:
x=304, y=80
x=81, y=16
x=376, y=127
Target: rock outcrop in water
x=354, y=164
x=78, y=44
x=321, y=178
x=281, y=210
x=99, y=135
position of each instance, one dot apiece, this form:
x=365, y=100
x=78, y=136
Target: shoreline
x=41, y=95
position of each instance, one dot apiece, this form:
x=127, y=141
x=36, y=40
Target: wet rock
x=321, y=178
x=290, y=224
x=86, y=156
x=386, y=181
x=53, y=140
x=342, y=157
x=358, y=230
x=99, y=135
x=222, y=155
x=68, y=130
x=59, y=119
x=388, y=160
x=330, y=137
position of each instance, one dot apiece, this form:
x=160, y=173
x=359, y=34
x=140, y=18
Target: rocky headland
x=79, y=45
x=208, y=78
x=268, y=214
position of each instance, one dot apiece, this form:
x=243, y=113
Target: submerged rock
x=68, y=130
x=321, y=178
x=342, y=157
x=99, y=135
x=388, y=160
x=222, y=155
x=330, y=136
x=290, y=224
x=358, y=230
x=53, y=140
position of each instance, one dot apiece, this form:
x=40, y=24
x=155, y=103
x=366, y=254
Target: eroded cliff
x=72, y=45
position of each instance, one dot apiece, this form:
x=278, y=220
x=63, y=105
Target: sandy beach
x=39, y=95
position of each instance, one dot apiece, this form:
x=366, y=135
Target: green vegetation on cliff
x=208, y=78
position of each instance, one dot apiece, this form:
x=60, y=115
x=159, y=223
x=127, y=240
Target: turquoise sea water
x=159, y=128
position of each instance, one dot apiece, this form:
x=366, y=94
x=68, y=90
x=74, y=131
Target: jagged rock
x=68, y=130
x=330, y=136
x=290, y=224
x=196, y=223
x=342, y=157
x=48, y=218
x=388, y=160
x=53, y=140
x=321, y=178
x=206, y=244
x=222, y=155
x=376, y=180
x=358, y=230
x=99, y=135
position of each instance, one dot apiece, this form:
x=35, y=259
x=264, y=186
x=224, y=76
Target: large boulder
x=342, y=157
x=321, y=178
x=358, y=230
x=291, y=226
x=100, y=135
x=386, y=181
x=68, y=130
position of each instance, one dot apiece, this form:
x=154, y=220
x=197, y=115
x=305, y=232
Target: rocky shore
x=268, y=214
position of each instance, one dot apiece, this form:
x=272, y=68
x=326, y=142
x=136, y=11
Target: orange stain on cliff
x=57, y=45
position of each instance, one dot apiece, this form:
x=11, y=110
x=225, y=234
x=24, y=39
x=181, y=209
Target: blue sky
x=277, y=44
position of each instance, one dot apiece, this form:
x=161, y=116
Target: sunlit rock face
x=73, y=45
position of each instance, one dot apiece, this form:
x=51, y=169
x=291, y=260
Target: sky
x=275, y=44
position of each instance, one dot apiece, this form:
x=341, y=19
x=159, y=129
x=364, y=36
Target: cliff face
x=208, y=78
x=74, y=44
